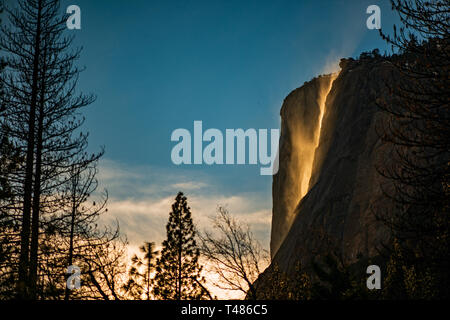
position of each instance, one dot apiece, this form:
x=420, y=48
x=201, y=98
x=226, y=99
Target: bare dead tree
x=233, y=254
x=104, y=270
x=79, y=221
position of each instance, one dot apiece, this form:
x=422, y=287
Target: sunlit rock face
x=334, y=212
x=301, y=116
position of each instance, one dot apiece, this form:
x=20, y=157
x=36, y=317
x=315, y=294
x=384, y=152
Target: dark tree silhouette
x=43, y=121
x=78, y=223
x=10, y=161
x=178, y=269
x=140, y=279
x=233, y=254
x=417, y=137
x=104, y=268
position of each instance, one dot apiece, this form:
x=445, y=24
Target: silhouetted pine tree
x=43, y=120
x=9, y=163
x=140, y=281
x=178, y=270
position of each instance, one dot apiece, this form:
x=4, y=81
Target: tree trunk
x=23, y=283
x=37, y=192
x=72, y=229
x=180, y=248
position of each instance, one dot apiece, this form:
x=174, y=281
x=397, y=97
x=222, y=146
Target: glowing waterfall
x=308, y=165
x=301, y=129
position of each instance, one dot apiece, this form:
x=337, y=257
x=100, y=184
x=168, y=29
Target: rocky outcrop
x=333, y=210
x=301, y=116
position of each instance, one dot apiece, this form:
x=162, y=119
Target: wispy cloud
x=141, y=198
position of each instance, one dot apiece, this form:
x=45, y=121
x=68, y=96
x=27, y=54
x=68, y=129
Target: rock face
x=301, y=115
x=331, y=206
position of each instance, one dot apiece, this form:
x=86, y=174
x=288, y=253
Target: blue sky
x=156, y=66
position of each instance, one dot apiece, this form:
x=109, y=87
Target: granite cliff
x=327, y=184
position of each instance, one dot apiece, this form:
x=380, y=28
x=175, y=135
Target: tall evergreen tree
x=178, y=269
x=43, y=120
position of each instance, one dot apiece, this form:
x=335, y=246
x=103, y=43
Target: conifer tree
x=43, y=119
x=140, y=281
x=178, y=269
